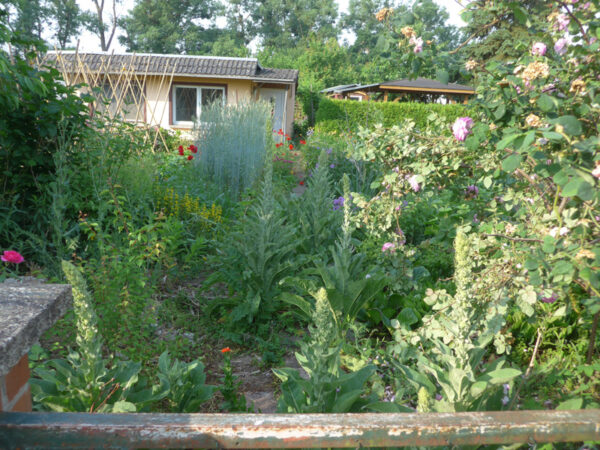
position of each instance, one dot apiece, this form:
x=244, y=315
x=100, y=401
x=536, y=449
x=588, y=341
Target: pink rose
x=11, y=256
x=388, y=247
x=538, y=49
x=462, y=128
x=560, y=46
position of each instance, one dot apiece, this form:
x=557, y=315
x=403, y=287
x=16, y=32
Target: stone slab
x=27, y=310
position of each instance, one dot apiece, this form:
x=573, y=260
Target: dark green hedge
x=340, y=116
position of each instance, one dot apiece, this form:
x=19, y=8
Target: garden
x=447, y=261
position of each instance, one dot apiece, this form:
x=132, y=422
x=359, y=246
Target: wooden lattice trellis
x=118, y=89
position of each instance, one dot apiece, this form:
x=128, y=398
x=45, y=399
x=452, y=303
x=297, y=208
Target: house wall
x=158, y=107
x=157, y=91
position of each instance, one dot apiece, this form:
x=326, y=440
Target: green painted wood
x=72, y=430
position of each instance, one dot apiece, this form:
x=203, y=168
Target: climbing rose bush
x=537, y=117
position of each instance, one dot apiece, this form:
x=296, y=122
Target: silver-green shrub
x=232, y=141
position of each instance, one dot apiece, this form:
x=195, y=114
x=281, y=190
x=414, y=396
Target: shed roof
x=417, y=85
x=426, y=84
x=182, y=65
x=347, y=88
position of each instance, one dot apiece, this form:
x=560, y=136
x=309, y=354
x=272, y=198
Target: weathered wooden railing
x=43, y=430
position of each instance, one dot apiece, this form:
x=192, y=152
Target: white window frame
x=187, y=123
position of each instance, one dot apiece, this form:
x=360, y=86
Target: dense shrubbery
x=344, y=116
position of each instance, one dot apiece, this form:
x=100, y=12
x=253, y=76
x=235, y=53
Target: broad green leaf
x=571, y=188
x=571, y=404
x=506, y=141
x=487, y=182
x=571, y=125
x=500, y=376
x=387, y=407
x=512, y=162
x=500, y=111
x=408, y=316
x=547, y=103
x=123, y=407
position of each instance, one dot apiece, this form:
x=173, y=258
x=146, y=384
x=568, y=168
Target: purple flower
x=438, y=397
x=414, y=184
x=472, y=191
x=388, y=247
x=338, y=203
x=560, y=46
x=550, y=299
x=506, y=388
x=329, y=150
x=462, y=128
x=475, y=218
x=538, y=49
x=331, y=166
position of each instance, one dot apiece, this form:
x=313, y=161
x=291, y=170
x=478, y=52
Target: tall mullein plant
x=84, y=381
x=328, y=388
x=451, y=344
x=258, y=254
x=233, y=141
x=317, y=219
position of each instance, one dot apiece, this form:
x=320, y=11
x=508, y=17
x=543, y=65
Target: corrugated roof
x=183, y=65
x=348, y=88
x=424, y=83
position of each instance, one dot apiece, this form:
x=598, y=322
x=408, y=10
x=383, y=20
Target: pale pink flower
x=11, y=256
x=560, y=46
x=414, y=183
x=538, y=49
x=562, y=21
x=596, y=171
x=388, y=247
x=462, y=128
x=418, y=43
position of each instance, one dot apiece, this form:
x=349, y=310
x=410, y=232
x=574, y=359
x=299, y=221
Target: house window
x=189, y=100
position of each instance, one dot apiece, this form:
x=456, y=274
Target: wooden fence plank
x=43, y=430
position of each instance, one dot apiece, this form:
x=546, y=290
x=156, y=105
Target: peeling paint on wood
x=72, y=430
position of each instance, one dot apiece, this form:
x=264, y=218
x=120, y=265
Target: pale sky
x=89, y=42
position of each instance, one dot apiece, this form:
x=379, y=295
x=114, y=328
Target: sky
x=89, y=42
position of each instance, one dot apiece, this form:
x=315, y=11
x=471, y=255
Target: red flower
x=225, y=350
x=302, y=141
x=291, y=147
x=181, y=150
x=287, y=138
x=11, y=256
x=280, y=132
x=302, y=183
x=192, y=148
x=190, y=158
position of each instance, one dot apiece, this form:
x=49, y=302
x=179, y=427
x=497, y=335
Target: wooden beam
x=85, y=430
